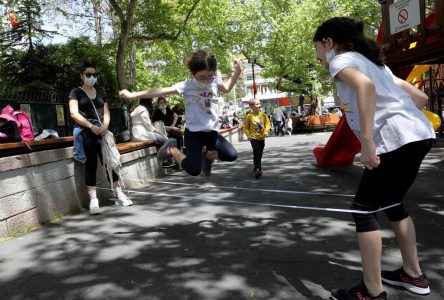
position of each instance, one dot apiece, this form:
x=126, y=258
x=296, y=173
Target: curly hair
x=198, y=60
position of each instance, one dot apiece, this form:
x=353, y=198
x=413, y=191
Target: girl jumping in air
x=201, y=138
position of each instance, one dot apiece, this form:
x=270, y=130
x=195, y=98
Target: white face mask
x=91, y=81
x=329, y=55
x=201, y=85
x=162, y=106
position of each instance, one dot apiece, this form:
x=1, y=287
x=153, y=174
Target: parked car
x=330, y=109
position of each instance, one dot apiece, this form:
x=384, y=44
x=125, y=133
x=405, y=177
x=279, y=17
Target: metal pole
x=254, y=82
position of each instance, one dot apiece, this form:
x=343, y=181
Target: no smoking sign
x=404, y=14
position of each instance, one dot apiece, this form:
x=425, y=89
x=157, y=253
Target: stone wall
x=38, y=186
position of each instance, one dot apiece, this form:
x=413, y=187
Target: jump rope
x=214, y=200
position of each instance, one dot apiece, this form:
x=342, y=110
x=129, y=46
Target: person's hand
x=103, y=130
x=175, y=129
x=125, y=94
x=368, y=155
x=96, y=130
x=237, y=65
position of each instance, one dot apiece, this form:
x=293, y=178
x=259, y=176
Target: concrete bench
x=39, y=184
x=15, y=148
x=20, y=147
x=133, y=146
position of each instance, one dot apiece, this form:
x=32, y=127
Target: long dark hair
x=87, y=64
x=147, y=103
x=349, y=35
x=198, y=60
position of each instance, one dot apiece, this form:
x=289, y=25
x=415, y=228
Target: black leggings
x=93, y=148
x=258, y=149
x=212, y=140
x=387, y=184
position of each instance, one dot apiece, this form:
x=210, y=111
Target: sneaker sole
x=94, y=212
x=123, y=203
x=161, y=154
x=409, y=287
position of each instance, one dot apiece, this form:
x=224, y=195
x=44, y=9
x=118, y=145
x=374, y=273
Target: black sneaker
x=358, y=292
x=418, y=285
x=168, y=164
x=164, y=152
x=258, y=173
x=206, y=165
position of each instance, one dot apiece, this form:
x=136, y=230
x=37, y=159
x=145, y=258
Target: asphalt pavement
x=229, y=236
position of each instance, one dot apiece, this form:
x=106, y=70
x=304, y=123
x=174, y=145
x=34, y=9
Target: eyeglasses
x=88, y=75
x=205, y=79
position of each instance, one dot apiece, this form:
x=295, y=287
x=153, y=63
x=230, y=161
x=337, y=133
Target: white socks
x=119, y=192
x=92, y=192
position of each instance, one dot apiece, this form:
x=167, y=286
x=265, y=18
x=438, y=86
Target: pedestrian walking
x=256, y=127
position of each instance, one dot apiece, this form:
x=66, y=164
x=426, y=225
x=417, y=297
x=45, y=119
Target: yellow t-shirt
x=256, y=126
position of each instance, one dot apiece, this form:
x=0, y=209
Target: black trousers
x=212, y=140
x=92, y=144
x=258, y=149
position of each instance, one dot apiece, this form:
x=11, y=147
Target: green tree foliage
x=67, y=63
x=23, y=61
x=152, y=37
x=277, y=34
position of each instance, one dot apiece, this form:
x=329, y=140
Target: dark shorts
x=388, y=183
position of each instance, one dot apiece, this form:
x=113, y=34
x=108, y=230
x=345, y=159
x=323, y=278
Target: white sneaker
x=94, y=208
x=123, y=200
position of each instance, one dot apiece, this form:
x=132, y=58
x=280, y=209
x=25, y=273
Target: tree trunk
x=125, y=29
x=97, y=22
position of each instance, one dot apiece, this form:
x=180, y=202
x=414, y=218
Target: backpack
x=9, y=131
x=23, y=121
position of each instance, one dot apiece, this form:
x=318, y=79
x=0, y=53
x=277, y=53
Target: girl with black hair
x=384, y=112
x=170, y=119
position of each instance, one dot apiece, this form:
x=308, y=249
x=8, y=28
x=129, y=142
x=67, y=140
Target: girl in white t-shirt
x=202, y=141
x=289, y=124
x=384, y=112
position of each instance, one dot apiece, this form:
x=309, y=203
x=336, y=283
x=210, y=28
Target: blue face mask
x=201, y=85
x=330, y=55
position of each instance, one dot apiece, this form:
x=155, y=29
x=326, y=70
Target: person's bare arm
x=419, y=97
x=228, y=85
x=79, y=119
x=366, y=99
x=150, y=93
x=175, y=117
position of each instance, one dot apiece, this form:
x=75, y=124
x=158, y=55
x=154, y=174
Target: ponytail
x=348, y=34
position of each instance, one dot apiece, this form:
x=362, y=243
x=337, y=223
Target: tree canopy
x=147, y=40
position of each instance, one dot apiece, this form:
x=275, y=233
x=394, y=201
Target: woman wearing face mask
x=169, y=118
x=89, y=110
x=203, y=142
